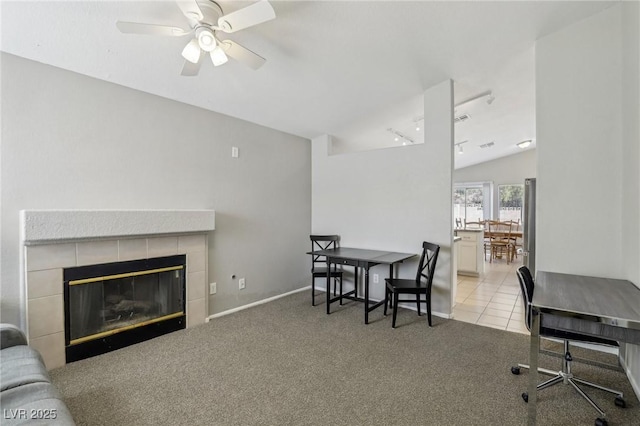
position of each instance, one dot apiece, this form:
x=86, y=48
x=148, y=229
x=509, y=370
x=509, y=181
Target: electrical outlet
x=213, y=288
x=234, y=152
x=241, y=284
x=376, y=278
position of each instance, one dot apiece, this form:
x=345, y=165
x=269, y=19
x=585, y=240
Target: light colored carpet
x=288, y=363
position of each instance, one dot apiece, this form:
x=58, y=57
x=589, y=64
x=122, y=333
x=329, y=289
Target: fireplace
x=113, y=305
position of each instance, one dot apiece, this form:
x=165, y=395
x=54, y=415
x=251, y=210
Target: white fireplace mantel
x=47, y=226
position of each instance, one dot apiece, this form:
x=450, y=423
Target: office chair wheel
x=515, y=370
x=601, y=422
x=525, y=396
x=620, y=402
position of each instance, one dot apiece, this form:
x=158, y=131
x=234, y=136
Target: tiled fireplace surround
x=76, y=238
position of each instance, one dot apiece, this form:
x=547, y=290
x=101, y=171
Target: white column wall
x=578, y=106
x=588, y=142
x=395, y=198
x=631, y=160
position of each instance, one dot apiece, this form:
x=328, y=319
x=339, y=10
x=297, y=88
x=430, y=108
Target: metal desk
x=593, y=306
x=359, y=258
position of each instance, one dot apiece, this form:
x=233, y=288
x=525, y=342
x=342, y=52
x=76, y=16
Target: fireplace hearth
x=113, y=305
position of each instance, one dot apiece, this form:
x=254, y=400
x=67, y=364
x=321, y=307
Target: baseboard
x=259, y=302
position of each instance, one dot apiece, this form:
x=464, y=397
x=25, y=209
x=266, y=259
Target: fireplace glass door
x=103, y=300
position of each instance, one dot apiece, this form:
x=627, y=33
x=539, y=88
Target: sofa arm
x=11, y=336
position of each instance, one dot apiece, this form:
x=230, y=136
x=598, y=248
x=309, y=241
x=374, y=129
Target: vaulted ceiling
x=352, y=69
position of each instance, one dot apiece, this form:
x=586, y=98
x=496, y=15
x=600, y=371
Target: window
x=468, y=204
x=511, y=198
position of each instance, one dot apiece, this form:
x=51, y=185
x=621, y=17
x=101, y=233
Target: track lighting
x=399, y=135
x=459, y=145
x=488, y=93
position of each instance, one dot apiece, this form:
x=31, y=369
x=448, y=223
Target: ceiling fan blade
x=150, y=29
x=189, y=69
x=242, y=54
x=190, y=9
x=255, y=14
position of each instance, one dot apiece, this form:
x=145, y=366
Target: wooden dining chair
x=500, y=240
x=516, y=241
x=319, y=264
x=417, y=287
x=474, y=224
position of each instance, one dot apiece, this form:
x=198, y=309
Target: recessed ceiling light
x=524, y=144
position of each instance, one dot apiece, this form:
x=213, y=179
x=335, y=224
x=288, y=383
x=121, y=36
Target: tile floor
x=493, y=299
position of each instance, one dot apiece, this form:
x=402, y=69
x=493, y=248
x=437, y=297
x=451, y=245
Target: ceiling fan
x=206, y=21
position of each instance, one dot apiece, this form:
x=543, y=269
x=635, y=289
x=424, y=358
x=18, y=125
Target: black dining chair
x=319, y=263
x=417, y=287
x=565, y=375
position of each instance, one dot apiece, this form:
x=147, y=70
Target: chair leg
x=340, y=290
x=313, y=292
x=386, y=299
x=418, y=303
x=428, y=301
x=395, y=310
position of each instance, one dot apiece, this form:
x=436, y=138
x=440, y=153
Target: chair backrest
x=427, y=265
x=474, y=224
x=526, y=285
x=322, y=242
x=499, y=231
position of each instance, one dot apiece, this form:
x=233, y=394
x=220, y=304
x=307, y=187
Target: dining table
x=360, y=259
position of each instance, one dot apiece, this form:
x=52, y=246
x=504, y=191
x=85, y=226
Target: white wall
x=73, y=142
x=631, y=159
x=588, y=151
x=513, y=169
x=395, y=198
x=578, y=97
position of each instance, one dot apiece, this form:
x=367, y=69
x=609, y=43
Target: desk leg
x=366, y=294
x=328, y=293
x=355, y=280
x=533, y=366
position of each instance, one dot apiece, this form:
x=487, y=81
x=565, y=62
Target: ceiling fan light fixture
x=206, y=40
x=218, y=57
x=191, y=51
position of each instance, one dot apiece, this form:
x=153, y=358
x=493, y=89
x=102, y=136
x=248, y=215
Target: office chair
x=324, y=242
x=565, y=375
x=421, y=285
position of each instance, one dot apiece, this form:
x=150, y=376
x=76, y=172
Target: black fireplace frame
x=121, y=338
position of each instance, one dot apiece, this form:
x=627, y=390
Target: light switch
x=234, y=151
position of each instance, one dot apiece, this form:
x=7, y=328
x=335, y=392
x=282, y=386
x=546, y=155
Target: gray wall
x=587, y=141
x=74, y=142
x=393, y=198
